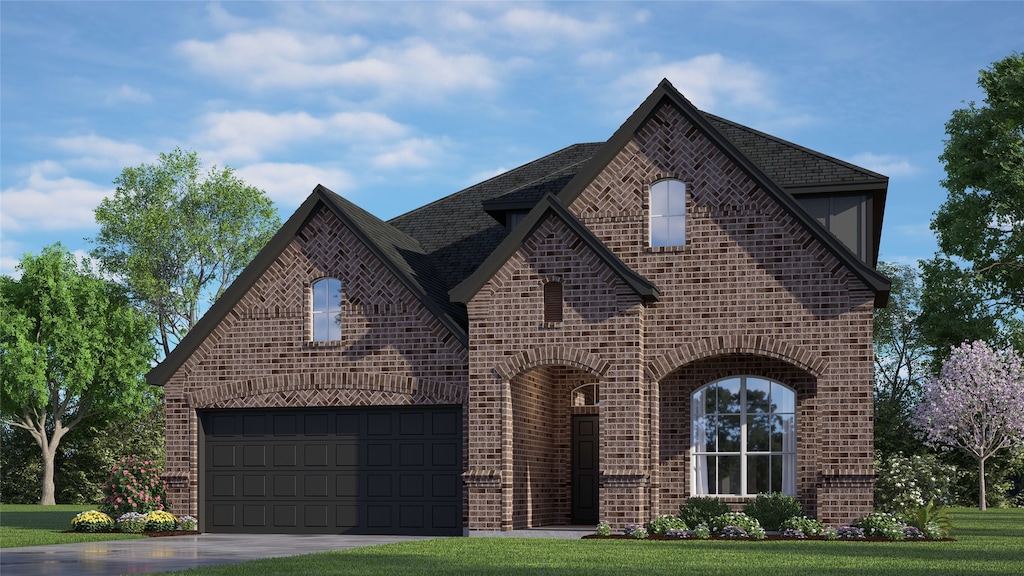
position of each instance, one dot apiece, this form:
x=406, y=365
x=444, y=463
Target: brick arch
x=551, y=356
x=416, y=389
x=725, y=345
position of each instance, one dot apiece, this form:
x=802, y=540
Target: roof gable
x=550, y=207
x=665, y=92
x=401, y=255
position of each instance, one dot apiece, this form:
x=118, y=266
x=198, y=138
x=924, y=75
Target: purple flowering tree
x=976, y=404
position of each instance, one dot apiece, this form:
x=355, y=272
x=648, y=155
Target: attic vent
x=552, y=302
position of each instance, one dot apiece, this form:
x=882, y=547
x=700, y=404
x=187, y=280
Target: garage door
x=380, y=470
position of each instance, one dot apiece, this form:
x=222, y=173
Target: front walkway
x=146, y=555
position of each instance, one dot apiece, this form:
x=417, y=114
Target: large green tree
x=901, y=360
x=177, y=237
x=980, y=226
x=71, y=348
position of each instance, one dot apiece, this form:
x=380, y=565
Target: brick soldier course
x=445, y=305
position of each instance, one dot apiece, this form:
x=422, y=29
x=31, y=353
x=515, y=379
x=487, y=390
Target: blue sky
x=396, y=104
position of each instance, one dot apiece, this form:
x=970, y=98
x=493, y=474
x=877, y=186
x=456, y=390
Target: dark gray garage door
x=379, y=470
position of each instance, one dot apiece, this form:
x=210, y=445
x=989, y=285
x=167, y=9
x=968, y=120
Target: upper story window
x=513, y=219
x=326, y=310
x=552, y=302
x=668, y=213
x=846, y=216
x=744, y=437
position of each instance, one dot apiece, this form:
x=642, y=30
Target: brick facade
x=393, y=351
x=753, y=292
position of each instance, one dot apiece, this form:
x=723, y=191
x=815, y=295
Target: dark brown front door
x=585, y=461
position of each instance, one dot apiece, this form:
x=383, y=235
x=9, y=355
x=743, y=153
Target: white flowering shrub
x=905, y=483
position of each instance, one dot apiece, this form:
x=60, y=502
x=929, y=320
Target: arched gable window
x=552, y=302
x=668, y=213
x=744, y=437
x=326, y=310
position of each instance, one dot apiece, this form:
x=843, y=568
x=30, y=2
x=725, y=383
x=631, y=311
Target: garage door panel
x=368, y=470
x=254, y=455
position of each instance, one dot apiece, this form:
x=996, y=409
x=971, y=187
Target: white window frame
x=318, y=309
x=699, y=468
x=668, y=217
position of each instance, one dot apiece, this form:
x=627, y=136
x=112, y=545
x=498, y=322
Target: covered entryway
x=555, y=447
x=345, y=470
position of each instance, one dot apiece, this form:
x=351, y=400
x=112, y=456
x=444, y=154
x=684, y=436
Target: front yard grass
x=988, y=543
x=34, y=525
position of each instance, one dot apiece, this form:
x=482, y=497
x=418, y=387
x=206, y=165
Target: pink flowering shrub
x=134, y=486
x=975, y=404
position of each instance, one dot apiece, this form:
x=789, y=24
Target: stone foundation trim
x=480, y=478
x=729, y=345
x=623, y=479
x=422, y=391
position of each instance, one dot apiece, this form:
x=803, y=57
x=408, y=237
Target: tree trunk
x=49, y=454
x=981, y=483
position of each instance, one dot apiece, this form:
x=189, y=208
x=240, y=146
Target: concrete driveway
x=146, y=555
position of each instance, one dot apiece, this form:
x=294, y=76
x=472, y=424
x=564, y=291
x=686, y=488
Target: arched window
x=668, y=213
x=744, y=437
x=326, y=310
x=552, y=302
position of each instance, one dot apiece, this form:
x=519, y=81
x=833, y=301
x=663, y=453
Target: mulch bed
x=767, y=538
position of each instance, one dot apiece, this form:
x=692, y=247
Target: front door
x=585, y=460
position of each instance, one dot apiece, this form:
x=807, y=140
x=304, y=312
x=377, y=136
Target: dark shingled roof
x=437, y=247
x=789, y=165
x=458, y=234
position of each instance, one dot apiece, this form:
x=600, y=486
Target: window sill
x=660, y=249
x=324, y=344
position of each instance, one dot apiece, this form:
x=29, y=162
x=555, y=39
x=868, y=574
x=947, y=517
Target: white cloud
x=94, y=151
x=485, y=175
x=247, y=134
x=285, y=59
x=289, y=184
x=126, y=94
x=546, y=28
x=50, y=200
x=410, y=153
x=885, y=164
x=222, y=19
x=710, y=81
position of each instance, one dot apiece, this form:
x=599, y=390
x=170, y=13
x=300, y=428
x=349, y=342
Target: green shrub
x=934, y=521
x=882, y=524
x=904, y=483
x=160, y=521
x=663, y=524
x=701, y=509
x=92, y=521
x=771, y=510
x=134, y=486
x=702, y=532
x=604, y=528
x=131, y=522
x=749, y=525
x=809, y=526
x=188, y=523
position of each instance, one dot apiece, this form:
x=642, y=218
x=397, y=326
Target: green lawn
x=34, y=525
x=988, y=543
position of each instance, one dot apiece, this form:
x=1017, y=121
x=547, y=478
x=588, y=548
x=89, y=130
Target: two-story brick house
x=604, y=332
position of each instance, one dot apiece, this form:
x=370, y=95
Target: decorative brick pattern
x=752, y=292
x=393, y=351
